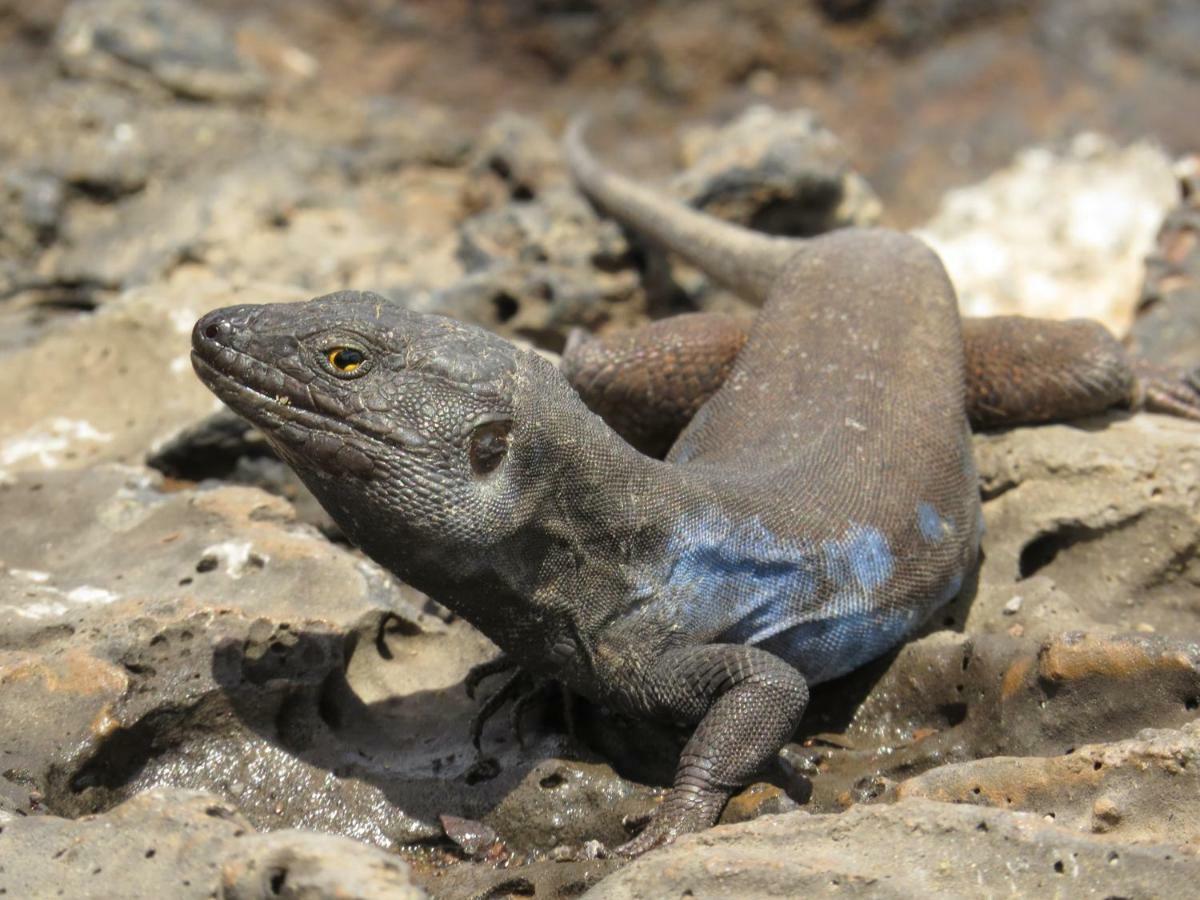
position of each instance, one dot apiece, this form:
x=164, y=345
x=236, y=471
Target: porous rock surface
x=1009, y=252
x=910, y=849
x=189, y=667
x=179, y=843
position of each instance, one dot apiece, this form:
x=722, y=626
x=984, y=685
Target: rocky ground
x=204, y=692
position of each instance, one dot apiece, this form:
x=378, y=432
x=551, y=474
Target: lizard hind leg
x=648, y=382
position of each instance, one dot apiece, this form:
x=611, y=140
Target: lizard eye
x=345, y=360
x=489, y=443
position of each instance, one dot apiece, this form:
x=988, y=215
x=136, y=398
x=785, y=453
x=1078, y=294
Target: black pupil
x=488, y=445
x=347, y=357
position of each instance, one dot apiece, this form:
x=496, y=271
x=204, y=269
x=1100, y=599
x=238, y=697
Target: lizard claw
x=522, y=691
x=683, y=811
x=478, y=673
x=489, y=707
x=1169, y=391
x=516, y=715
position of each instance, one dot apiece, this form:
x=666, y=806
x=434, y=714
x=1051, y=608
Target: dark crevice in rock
x=119, y=758
x=1042, y=550
x=212, y=448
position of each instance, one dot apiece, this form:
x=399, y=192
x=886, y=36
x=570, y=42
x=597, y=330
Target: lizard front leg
x=747, y=703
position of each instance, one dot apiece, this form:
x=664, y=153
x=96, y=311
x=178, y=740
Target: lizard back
x=845, y=504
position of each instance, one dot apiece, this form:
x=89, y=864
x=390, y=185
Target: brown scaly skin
x=817, y=508
x=647, y=383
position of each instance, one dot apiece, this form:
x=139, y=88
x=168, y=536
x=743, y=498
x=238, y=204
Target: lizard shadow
x=371, y=742
x=344, y=705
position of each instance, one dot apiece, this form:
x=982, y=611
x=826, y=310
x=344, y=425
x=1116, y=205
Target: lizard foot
x=1168, y=390
x=519, y=687
x=684, y=811
x=512, y=688
x=478, y=673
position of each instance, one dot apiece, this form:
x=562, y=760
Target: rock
x=226, y=447
x=1011, y=252
x=159, y=844
x=915, y=848
x=1093, y=524
x=568, y=878
x=174, y=843
x=144, y=237
x=515, y=158
x=303, y=865
x=406, y=132
x=112, y=385
x=909, y=24
x=567, y=802
x=242, y=661
x=538, y=268
x=783, y=173
x=164, y=44
x=1119, y=789
x=1163, y=30
x=1167, y=329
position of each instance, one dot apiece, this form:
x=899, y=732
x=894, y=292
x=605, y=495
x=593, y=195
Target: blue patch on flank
x=815, y=605
x=866, y=551
x=933, y=527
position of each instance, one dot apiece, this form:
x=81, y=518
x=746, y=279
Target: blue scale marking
x=756, y=589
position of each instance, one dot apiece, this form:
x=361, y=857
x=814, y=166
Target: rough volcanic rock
x=779, y=172
x=1119, y=790
x=1056, y=234
x=515, y=158
x=1091, y=524
x=402, y=132
x=916, y=848
x=1163, y=30
x=176, y=843
x=111, y=385
x=303, y=865
x=538, y=268
x=168, y=44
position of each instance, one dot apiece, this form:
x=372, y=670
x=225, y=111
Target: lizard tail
x=745, y=261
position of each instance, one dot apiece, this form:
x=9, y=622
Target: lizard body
x=819, y=505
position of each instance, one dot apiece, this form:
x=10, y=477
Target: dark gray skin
x=820, y=504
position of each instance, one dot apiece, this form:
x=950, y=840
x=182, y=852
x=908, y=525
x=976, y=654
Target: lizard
x=819, y=505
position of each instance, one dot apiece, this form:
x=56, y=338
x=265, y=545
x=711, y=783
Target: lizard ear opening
x=489, y=443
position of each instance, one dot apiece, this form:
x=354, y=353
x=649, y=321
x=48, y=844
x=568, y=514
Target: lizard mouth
x=269, y=409
x=255, y=389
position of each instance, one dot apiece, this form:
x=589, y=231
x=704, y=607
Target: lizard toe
x=682, y=812
x=1170, y=391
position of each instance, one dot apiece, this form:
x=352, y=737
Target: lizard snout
x=216, y=329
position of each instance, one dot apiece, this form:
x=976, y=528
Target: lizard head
x=412, y=430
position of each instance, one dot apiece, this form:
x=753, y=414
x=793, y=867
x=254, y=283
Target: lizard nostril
x=211, y=332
